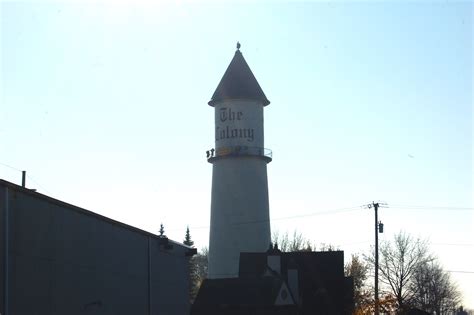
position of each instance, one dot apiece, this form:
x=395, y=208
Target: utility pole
x=376, y=208
x=378, y=229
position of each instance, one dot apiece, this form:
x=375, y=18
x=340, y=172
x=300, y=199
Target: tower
x=239, y=202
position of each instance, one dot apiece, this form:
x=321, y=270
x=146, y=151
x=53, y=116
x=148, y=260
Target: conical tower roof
x=238, y=82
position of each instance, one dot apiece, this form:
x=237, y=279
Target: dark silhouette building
x=231, y=296
x=315, y=283
x=56, y=258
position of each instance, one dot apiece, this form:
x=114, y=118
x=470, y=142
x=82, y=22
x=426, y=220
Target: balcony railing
x=239, y=151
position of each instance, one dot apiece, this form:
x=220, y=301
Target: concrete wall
x=65, y=260
x=239, y=213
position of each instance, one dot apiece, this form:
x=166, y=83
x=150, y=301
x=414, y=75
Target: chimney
x=274, y=259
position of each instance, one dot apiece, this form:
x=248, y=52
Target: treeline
x=410, y=275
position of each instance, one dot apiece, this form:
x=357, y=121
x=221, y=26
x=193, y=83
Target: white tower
x=239, y=202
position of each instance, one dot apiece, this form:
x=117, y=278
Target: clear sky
x=104, y=104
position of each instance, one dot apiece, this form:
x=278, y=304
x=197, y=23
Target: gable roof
x=238, y=82
x=322, y=286
x=69, y=207
x=241, y=292
x=315, y=264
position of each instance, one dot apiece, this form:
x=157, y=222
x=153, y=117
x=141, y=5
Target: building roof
x=82, y=211
x=239, y=291
x=317, y=265
x=238, y=82
x=321, y=283
x=232, y=296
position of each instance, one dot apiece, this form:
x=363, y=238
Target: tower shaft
x=239, y=213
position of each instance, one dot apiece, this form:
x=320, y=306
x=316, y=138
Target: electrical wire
x=451, y=244
x=326, y=212
x=38, y=184
x=351, y=209
x=27, y=176
x=11, y=167
x=420, y=207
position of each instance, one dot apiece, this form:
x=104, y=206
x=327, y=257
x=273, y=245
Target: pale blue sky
x=105, y=106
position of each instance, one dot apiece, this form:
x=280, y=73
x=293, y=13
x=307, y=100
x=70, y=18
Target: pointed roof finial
x=238, y=45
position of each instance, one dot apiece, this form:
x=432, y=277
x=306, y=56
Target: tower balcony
x=263, y=153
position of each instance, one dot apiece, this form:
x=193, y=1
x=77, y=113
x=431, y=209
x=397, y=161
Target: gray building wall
x=2, y=248
x=67, y=260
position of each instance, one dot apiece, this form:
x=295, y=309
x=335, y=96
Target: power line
x=326, y=212
x=28, y=176
x=355, y=243
x=451, y=244
x=335, y=211
x=36, y=182
x=393, y=205
x=459, y=271
x=11, y=167
x=434, y=244
x=420, y=207
x=350, y=209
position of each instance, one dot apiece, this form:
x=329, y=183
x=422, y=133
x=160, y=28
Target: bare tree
x=298, y=243
x=398, y=262
x=199, y=263
x=323, y=247
x=433, y=290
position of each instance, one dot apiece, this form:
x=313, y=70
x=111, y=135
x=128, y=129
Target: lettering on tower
x=230, y=126
x=228, y=114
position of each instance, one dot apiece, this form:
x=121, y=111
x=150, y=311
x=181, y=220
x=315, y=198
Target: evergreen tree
x=162, y=230
x=359, y=271
x=187, y=238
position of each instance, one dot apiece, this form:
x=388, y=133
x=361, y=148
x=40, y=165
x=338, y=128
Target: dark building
x=56, y=258
x=315, y=282
x=234, y=296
